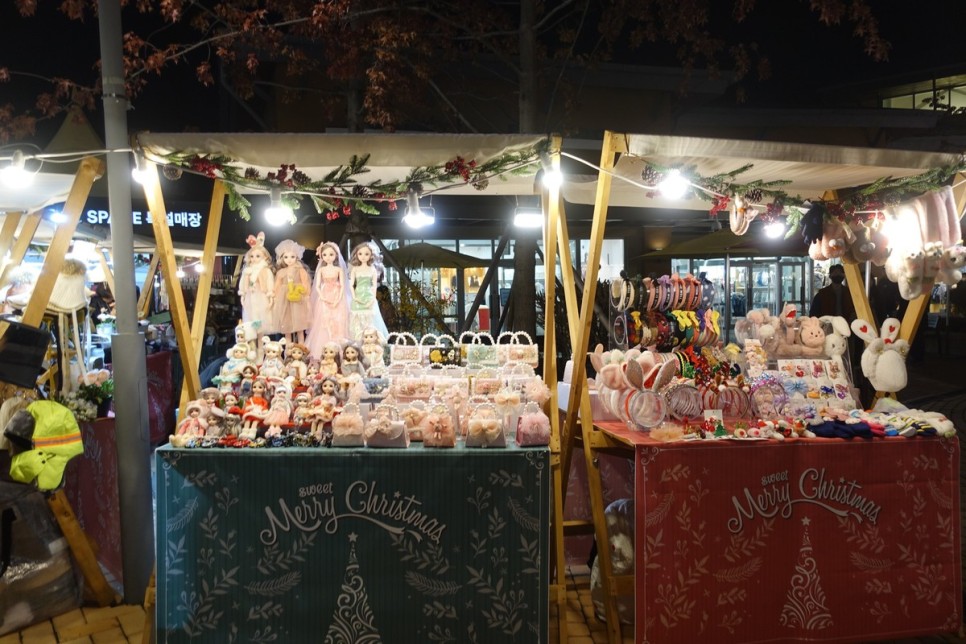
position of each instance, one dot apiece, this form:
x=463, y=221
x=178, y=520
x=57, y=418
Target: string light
x=277, y=213
x=415, y=216
x=774, y=230
x=674, y=185
x=15, y=175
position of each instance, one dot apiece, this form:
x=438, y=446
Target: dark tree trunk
x=523, y=291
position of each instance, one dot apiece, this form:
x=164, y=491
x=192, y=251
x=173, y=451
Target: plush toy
x=812, y=222
x=835, y=241
x=787, y=344
x=811, y=336
x=836, y=343
x=950, y=267
x=870, y=244
x=884, y=359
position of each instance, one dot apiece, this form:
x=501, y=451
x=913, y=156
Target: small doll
x=296, y=369
x=324, y=404
x=256, y=286
x=255, y=409
x=248, y=375
x=279, y=411
x=330, y=299
x=365, y=271
x=194, y=423
x=302, y=415
x=212, y=398
x=292, y=311
x=329, y=364
x=233, y=414
x=351, y=365
x=372, y=349
x=272, y=367
x=312, y=374
x=239, y=356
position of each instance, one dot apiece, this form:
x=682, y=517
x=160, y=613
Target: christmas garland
x=340, y=191
x=861, y=205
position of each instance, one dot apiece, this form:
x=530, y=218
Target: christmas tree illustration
x=805, y=601
x=352, y=621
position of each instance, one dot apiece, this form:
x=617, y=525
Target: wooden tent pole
x=8, y=232
x=88, y=171
x=162, y=237
x=22, y=243
x=551, y=210
x=613, y=145
x=108, y=273
x=147, y=289
x=200, y=313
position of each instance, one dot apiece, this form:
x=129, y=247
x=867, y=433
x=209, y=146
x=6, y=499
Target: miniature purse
x=347, y=427
x=412, y=384
x=376, y=382
x=519, y=352
x=486, y=383
x=481, y=354
x=437, y=428
x=444, y=352
x=412, y=416
x=485, y=427
x=402, y=351
x=534, y=427
x=385, y=429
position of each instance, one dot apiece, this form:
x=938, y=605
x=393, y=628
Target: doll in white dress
x=330, y=300
x=365, y=271
x=256, y=286
x=293, y=310
x=372, y=350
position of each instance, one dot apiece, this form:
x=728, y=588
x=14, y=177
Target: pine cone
x=754, y=195
x=171, y=172
x=650, y=176
x=481, y=184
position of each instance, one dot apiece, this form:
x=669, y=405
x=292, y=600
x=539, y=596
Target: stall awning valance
x=811, y=170
x=391, y=157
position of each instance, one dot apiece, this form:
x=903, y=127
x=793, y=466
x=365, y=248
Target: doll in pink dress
x=293, y=310
x=194, y=423
x=279, y=411
x=330, y=300
x=256, y=286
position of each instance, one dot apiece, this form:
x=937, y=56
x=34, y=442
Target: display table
x=351, y=545
x=802, y=540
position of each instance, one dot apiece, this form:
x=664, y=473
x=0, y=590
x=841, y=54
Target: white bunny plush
x=884, y=359
x=836, y=342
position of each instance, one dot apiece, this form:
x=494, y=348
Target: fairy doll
x=330, y=299
x=293, y=310
x=279, y=411
x=256, y=286
x=365, y=271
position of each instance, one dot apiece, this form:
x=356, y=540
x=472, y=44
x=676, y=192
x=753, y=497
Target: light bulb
x=278, y=214
x=179, y=273
x=528, y=218
x=674, y=185
x=775, y=229
x=15, y=175
x=137, y=172
x=199, y=268
x=57, y=217
x=415, y=216
x=552, y=179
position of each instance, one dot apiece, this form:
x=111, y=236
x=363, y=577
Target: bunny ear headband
x=254, y=241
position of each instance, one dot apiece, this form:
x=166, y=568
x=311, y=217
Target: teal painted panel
x=358, y=545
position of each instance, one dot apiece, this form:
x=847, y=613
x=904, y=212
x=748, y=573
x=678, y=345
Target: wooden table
x=802, y=540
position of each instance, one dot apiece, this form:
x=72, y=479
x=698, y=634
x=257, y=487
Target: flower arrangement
x=83, y=409
x=95, y=388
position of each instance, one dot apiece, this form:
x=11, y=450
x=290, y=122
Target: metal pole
x=130, y=373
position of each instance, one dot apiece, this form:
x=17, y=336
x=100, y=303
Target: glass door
x=793, y=284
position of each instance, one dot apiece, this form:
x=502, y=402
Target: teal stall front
x=352, y=545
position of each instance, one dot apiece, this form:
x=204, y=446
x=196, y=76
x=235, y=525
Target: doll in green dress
x=365, y=271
